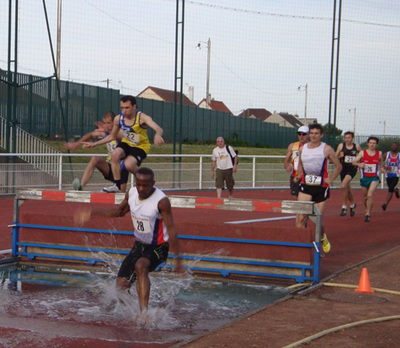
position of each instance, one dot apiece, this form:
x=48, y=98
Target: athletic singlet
x=315, y=166
x=349, y=157
x=147, y=221
x=392, y=165
x=135, y=135
x=370, y=169
x=295, y=157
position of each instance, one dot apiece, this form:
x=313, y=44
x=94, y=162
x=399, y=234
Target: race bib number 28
x=142, y=225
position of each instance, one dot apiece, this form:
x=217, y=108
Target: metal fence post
x=15, y=228
x=60, y=177
x=201, y=173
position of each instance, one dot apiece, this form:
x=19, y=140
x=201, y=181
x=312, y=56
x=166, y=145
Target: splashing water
x=179, y=307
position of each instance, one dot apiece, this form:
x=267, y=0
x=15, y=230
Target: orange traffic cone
x=364, y=287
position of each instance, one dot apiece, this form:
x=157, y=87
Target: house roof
x=215, y=105
x=166, y=95
x=261, y=114
x=294, y=121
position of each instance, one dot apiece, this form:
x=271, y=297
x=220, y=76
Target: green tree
x=334, y=130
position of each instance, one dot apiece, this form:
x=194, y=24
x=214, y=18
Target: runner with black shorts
x=392, y=169
x=135, y=144
x=291, y=163
x=101, y=163
x=347, y=152
x=315, y=180
x=154, y=229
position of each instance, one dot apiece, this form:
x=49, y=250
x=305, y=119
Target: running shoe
x=112, y=189
x=344, y=212
x=367, y=218
x=76, y=184
x=353, y=210
x=326, y=246
x=396, y=192
x=384, y=207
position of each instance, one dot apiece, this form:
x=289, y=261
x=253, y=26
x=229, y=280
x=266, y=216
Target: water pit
x=71, y=303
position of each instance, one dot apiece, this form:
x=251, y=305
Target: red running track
x=352, y=239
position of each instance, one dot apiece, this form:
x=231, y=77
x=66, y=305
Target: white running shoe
x=112, y=189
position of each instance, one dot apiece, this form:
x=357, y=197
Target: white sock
x=353, y=205
x=344, y=207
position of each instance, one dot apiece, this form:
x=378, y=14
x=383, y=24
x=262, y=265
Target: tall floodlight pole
x=59, y=9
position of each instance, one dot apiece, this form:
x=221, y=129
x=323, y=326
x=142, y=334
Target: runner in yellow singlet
x=292, y=160
x=135, y=144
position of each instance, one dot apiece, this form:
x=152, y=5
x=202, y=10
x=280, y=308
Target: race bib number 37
x=313, y=180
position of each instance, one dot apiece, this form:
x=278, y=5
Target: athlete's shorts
x=367, y=180
x=157, y=254
x=224, y=175
x=318, y=193
x=139, y=154
x=392, y=182
x=352, y=172
x=294, y=187
x=124, y=174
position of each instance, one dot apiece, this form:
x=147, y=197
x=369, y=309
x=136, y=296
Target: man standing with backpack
x=225, y=158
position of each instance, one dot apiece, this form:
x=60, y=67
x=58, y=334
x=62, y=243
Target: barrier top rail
x=149, y=155
x=287, y=207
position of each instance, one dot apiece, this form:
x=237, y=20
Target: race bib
x=142, y=225
x=296, y=164
x=392, y=169
x=349, y=159
x=111, y=147
x=313, y=180
x=370, y=168
x=134, y=138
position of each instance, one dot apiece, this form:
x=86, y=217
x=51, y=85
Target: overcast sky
x=261, y=52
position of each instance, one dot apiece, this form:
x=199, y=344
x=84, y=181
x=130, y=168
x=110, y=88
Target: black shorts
x=318, y=193
x=392, y=182
x=157, y=254
x=124, y=175
x=139, y=154
x=294, y=187
x=348, y=171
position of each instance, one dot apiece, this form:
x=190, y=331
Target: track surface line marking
x=260, y=220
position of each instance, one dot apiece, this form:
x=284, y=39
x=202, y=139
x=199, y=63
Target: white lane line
x=261, y=220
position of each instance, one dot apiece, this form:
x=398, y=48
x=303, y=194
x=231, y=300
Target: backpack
x=232, y=158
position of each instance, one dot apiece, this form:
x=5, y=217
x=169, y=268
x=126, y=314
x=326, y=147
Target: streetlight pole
x=354, y=127
x=305, y=102
x=208, y=95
